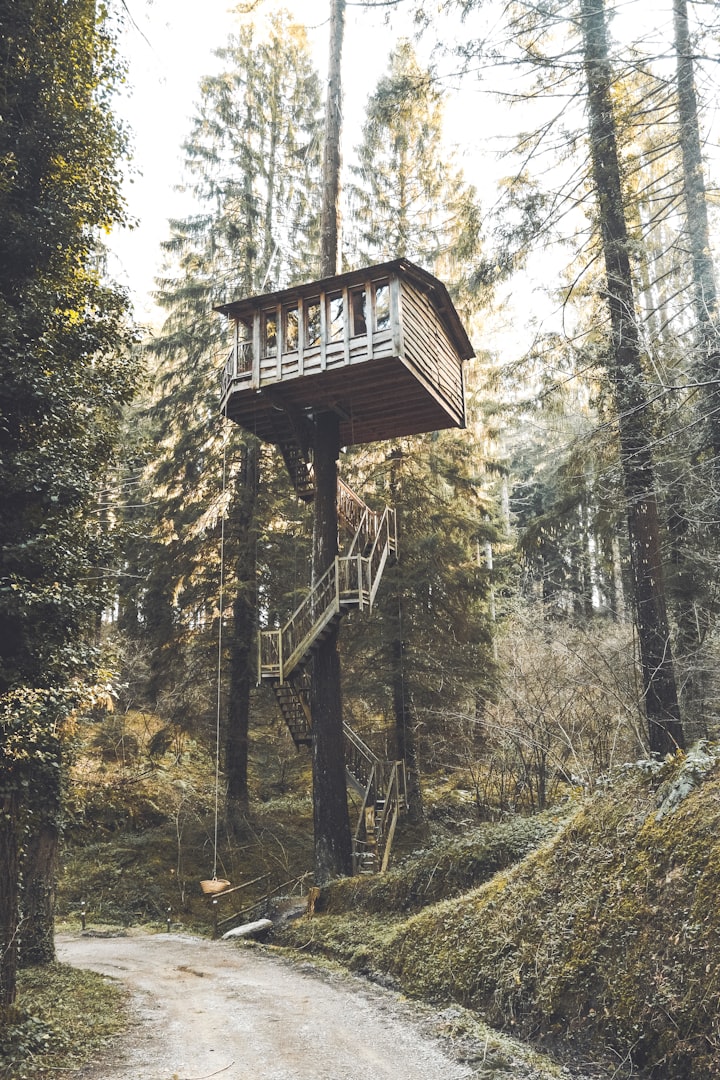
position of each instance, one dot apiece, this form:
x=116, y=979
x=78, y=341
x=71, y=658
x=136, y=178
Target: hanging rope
x=221, y=602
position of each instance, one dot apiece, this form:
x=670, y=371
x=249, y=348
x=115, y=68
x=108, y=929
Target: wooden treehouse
x=383, y=349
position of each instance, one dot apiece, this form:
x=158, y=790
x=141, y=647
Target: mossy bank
x=604, y=940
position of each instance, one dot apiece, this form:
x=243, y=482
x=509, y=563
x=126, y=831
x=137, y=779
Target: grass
x=604, y=940
x=62, y=1017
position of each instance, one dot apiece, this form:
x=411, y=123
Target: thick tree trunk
x=333, y=842
x=242, y=651
x=9, y=885
x=39, y=868
x=661, y=701
x=696, y=609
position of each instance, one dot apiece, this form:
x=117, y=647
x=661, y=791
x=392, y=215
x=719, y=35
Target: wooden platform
x=383, y=347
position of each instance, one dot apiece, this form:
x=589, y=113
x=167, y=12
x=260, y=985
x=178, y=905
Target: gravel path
x=213, y=1009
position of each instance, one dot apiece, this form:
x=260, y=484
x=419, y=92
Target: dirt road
x=213, y=1009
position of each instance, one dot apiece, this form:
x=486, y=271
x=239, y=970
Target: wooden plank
x=396, y=315
x=256, y=351
x=383, y=399
x=346, y=325
x=279, y=342
x=301, y=335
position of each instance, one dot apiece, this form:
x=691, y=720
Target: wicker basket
x=214, y=885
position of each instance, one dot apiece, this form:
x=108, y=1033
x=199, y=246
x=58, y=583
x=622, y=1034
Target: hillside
x=602, y=942
x=591, y=929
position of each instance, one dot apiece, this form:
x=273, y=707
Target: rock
x=248, y=930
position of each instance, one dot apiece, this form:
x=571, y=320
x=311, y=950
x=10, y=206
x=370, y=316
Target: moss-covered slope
x=605, y=938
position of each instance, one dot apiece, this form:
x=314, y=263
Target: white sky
x=168, y=45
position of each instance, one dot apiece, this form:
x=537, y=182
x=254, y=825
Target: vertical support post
x=333, y=843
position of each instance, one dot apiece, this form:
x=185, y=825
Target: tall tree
x=705, y=298
x=333, y=843
x=660, y=691
x=541, y=39
x=66, y=371
x=409, y=199
x=253, y=165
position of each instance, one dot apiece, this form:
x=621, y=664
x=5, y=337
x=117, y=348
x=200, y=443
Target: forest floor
x=203, y=1009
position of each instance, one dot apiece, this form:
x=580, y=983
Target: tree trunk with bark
x=333, y=841
x=705, y=298
x=406, y=731
x=39, y=870
x=660, y=691
x=695, y=603
x=330, y=213
x=9, y=813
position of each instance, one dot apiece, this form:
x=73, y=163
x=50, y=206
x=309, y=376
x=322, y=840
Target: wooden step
x=300, y=470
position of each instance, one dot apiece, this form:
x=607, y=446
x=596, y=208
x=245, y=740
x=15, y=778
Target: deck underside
x=375, y=400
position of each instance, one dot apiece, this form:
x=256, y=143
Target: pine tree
x=253, y=163
x=410, y=200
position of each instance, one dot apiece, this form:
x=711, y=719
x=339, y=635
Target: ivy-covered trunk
x=39, y=868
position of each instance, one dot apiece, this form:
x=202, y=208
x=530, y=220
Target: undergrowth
x=139, y=831
x=61, y=1019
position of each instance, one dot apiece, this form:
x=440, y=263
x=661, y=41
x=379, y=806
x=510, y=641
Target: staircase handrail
x=295, y=638
x=385, y=541
x=351, y=579
x=389, y=817
x=350, y=506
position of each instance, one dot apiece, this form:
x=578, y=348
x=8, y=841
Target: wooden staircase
x=298, y=464
x=350, y=583
x=382, y=787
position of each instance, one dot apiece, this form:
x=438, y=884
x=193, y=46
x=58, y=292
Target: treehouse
x=382, y=347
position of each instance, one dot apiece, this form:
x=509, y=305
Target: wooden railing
x=259, y=908
x=382, y=787
x=351, y=581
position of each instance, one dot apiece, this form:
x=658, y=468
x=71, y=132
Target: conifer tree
x=409, y=199
x=253, y=165
x=541, y=42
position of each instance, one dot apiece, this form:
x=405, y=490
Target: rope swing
x=217, y=885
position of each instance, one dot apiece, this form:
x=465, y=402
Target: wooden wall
x=428, y=348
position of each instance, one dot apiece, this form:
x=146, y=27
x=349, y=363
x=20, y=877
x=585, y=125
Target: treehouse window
x=358, y=311
x=382, y=307
x=312, y=325
x=336, y=317
x=269, y=333
x=244, y=346
x=290, y=329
